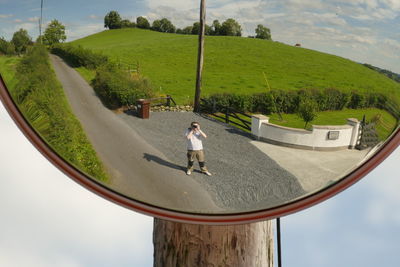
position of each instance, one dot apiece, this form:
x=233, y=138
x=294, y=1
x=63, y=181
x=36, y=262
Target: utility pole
x=184, y=244
x=40, y=21
x=200, y=56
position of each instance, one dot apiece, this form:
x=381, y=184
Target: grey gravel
x=243, y=177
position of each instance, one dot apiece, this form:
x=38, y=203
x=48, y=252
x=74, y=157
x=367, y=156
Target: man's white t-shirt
x=194, y=142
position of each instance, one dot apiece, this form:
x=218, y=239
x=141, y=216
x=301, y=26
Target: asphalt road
x=122, y=151
x=146, y=158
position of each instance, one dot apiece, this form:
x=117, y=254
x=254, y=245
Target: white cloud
x=18, y=21
x=49, y=220
x=74, y=31
x=176, y=4
x=33, y=19
x=383, y=204
x=95, y=17
x=25, y=25
x=5, y=16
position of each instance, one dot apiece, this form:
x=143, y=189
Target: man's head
x=194, y=124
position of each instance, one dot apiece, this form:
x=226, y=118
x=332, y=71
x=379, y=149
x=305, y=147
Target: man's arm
x=202, y=133
x=189, y=133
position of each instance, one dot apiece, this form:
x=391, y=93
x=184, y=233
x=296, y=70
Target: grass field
x=232, y=64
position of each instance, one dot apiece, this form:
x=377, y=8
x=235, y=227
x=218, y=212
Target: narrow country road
x=146, y=158
x=121, y=150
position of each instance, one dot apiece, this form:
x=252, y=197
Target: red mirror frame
x=185, y=217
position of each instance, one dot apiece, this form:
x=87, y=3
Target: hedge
x=41, y=99
x=288, y=101
x=78, y=56
x=115, y=86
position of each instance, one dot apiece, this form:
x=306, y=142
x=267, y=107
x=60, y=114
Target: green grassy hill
x=233, y=64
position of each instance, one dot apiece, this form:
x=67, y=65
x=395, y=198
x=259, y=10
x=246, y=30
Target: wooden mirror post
x=181, y=244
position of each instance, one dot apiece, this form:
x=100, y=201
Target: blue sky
x=363, y=30
x=49, y=220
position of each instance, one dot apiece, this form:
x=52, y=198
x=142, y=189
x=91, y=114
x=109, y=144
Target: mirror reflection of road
x=146, y=158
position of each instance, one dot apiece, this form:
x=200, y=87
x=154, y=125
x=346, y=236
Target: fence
x=158, y=101
x=227, y=114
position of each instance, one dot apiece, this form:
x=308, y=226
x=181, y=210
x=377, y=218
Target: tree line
x=229, y=27
x=54, y=33
x=390, y=74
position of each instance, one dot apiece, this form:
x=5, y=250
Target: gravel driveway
x=146, y=159
x=243, y=178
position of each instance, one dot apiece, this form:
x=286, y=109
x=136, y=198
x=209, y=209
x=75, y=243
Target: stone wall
x=318, y=138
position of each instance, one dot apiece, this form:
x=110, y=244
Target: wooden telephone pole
x=200, y=56
x=181, y=244
x=40, y=21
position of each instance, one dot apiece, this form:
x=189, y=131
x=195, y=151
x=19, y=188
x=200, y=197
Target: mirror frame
x=186, y=217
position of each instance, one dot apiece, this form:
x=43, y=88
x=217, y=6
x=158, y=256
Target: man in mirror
x=194, y=136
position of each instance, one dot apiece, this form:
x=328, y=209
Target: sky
x=49, y=220
x=365, y=31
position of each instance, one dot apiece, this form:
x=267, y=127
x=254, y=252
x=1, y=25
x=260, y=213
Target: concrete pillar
x=355, y=133
x=256, y=121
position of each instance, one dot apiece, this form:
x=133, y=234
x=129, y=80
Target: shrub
x=357, y=100
x=307, y=110
x=78, y=56
x=117, y=88
x=6, y=48
x=280, y=101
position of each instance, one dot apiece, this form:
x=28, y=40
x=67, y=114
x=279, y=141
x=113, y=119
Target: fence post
x=168, y=100
x=227, y=115
x=214, y=106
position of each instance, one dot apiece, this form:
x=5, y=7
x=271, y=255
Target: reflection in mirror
x=293, y=97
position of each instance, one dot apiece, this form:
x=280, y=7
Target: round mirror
x=255, y=110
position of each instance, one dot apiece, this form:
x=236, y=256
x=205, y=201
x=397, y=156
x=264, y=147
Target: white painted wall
x=317, y=138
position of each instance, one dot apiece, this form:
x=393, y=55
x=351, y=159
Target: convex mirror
x=259, y=110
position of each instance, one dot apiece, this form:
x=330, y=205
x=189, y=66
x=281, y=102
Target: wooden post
x=181, y=244
x=227, y=115
x=200, y=56
x=168, y=100
x=40, y=22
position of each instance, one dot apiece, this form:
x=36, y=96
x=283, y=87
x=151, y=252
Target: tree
x=163, y=25
x=216, y=27
x=231, y=27
x=263, y=32
x=187, y=30
x=112, y=20
x=54, y=33
x=307, y=110
x=196, y=28
x=179, y=244
x=6, y=48
x=142, y=22
x=21, y=40
x=125, y=23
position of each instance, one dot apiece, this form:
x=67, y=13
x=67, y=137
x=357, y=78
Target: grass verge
x=41, y=99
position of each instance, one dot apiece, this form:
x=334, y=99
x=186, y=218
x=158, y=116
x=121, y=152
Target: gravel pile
x=243, y=178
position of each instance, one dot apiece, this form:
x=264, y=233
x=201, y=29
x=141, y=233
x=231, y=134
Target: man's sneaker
x=207, y=173
x=188, y=172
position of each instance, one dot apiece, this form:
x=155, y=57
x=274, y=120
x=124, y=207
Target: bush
x=307, y=110
x=78, y=56
x=6, y=48
x=280, y=101
x=117, y=88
